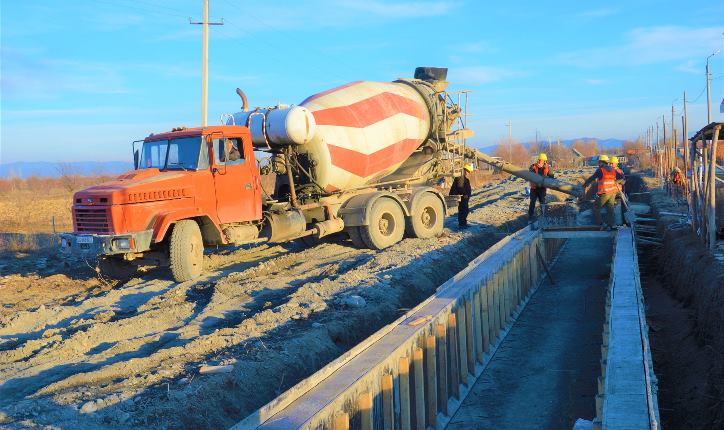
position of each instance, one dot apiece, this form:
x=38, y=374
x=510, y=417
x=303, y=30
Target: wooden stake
x=417, y=367
x=364, y=405
x=405, y=404
x=442, y=370
x=388, y=407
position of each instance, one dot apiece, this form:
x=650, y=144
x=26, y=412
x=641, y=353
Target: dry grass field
x=37, y=205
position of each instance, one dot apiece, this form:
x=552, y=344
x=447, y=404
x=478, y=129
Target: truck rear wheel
x=116, y=268
x=356, y=236
x=186, y=251
x=386, y=226
x=427, y=220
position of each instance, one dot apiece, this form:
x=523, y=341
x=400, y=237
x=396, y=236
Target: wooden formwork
x=627, y=395
x=415, y=372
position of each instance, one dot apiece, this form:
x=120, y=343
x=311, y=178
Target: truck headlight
x=122, y=243
x=63, y=243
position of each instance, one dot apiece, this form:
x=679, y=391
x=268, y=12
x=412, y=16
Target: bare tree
x=68, y=175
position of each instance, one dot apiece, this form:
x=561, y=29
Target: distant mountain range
x=604, y=144
x=25, y=169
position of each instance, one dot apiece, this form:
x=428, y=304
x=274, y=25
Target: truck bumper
x=105, y=244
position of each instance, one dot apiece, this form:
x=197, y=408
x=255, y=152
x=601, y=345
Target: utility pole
x=663, y=126
x=708, y=88
x=510, y=141
x=673, y=137
x=205, y=59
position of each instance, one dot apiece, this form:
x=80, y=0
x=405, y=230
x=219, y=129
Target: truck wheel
x=356, y=236
x=186, y=251
x=310, y=241
x=387, y=224
x=116, y=268
x=427, y=220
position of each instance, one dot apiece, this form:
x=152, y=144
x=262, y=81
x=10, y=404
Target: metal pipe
x=244, y=100
x=542, y=181
x=292, y=191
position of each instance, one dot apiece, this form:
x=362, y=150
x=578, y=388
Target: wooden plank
x=431, y=381
x=388, y=407
x=442, y=365
x=364, y=406
x=454, y=360
x=470, y=334
x=405, y=402
x=478, y=325
x=462, y=343
x=419, y=376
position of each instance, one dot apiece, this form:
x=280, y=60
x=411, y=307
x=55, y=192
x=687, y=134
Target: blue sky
x=82, y=79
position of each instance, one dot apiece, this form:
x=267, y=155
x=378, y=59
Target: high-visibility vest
x=546, y=169
x=607, y=183
x=619, y=186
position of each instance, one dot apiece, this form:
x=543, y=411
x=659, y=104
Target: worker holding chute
x=606, y=178
x=540, y=167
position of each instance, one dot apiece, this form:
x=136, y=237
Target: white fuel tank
x=280, y=125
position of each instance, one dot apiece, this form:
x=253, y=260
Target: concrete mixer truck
x=359, y=158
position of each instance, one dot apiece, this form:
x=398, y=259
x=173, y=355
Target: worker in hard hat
x=461, y=187
x=606, y=191
x=614, y=164
x=537, y=192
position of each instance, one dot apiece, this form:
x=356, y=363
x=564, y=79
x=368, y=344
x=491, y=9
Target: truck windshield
x=181, y=153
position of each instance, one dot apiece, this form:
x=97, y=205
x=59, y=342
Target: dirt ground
x=77, y=351
x=683, y=286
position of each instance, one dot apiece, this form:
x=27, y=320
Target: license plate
x=84, y=239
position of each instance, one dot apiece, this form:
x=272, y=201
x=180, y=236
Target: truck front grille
x=92, y=221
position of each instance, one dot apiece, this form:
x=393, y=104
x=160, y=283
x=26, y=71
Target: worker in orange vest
x=606, y=178
x=614, y=164
x=540, y=167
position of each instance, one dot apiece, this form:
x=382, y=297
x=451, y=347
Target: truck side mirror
x=135, y=159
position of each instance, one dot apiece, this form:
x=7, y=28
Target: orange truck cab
x=186, y=185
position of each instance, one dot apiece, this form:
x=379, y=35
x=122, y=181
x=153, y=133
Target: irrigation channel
x=545, y=327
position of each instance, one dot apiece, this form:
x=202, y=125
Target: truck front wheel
x=427, y=220
x=186, y=251
x=386, y=224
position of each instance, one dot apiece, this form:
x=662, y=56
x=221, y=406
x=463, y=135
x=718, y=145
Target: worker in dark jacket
x=461, y=187
x=607, y=179
x=540, y=167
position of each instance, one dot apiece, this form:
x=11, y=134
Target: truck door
x=236, y=180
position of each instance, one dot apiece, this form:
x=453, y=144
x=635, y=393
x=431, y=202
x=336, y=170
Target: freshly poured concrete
x=543, y=376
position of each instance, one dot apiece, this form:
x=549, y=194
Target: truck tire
x=356, y=236
x=186, y=251
x=428, y=217
x=386, y=224
x=116, y=268
x=310, y=241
